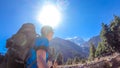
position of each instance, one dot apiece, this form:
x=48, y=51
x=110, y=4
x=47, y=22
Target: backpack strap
x=28, y=53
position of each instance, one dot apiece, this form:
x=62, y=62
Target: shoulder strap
x=28, y=53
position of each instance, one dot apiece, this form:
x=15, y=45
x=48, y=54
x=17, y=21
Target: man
x=39, y=54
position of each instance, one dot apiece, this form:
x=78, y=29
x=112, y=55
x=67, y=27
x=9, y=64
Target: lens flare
x=49, y=15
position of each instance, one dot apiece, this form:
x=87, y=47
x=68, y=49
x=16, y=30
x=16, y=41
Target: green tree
x=76, y=60
x=104, y=32
x=110, y=35
x=92, y=51
x=115, y=34
x=101, y=50
x=52, y=53
x=69, y=61
x=60, y=59
x=107, y=38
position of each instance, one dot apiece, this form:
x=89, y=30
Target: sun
x=49, y=15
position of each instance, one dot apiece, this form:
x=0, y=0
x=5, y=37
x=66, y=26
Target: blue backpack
x=40, y=43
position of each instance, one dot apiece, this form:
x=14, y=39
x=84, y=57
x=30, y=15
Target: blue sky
x=81, y=18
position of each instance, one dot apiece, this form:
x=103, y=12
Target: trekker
x=38, y=54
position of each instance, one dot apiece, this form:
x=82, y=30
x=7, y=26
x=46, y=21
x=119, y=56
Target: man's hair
x=46, y=30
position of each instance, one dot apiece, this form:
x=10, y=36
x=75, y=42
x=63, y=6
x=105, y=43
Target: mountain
x=85, y=45
x=95, y=40
x=67, y=48
x=76, y=40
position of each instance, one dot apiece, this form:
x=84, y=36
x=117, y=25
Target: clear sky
x=81, y=18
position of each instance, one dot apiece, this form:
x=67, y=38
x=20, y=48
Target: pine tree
x=76, y=60
x=92, y=51
x=110, y=35
x=104, y=47
x=115, y=36
x=60, y=59
x=52, y=54
x=69, y=61
x=101, y=50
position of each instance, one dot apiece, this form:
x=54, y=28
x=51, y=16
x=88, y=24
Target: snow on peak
x=77, y=40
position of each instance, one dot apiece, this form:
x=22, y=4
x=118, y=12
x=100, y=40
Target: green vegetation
x=92, y=51
x=110, y=36
x=69, y=61
x=60, y=59
x=110, y=43
x=101, y=50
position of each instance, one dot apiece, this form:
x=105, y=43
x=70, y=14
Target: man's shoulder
x=42, y=41
x=41, y=38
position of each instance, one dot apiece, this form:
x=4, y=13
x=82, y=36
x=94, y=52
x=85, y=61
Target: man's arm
x=41, y=59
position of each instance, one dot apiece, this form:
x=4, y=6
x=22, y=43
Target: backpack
x=20, y=43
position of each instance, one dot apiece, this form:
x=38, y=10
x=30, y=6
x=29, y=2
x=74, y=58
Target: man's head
x=47, y=32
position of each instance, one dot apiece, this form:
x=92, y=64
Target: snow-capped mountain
x=76, y=40
x=67, y=48
x=85, y=45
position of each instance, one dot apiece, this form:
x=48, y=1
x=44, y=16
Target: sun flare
x=49, y=15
